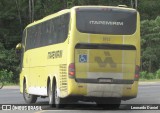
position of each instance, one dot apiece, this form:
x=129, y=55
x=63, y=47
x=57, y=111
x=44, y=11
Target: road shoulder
x=140, y=83
x=149, y=83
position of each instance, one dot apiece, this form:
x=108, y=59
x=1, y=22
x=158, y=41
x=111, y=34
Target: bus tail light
x=137, y=70
x=71, y=70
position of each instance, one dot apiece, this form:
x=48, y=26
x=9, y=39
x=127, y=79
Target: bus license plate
x=105, y=80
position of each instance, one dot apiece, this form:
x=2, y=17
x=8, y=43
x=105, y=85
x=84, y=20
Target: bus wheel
x=28, y=97
x=51, y=95
x=59, y=102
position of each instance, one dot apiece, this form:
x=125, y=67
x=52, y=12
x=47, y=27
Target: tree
x=150, y=43
x=149, y=9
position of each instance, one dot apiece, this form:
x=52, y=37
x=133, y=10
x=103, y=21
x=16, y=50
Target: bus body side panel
x=25, y=71
x=57, y=66
x=38, y=77
x=135, y=40
x=45, y=56
x=44, y=62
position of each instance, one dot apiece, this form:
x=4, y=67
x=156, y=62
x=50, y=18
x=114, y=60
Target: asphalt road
x=147, y=94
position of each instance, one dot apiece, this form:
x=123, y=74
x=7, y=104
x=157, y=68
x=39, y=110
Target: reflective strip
x=105, y=81
x=105, y=46
x=37, y=91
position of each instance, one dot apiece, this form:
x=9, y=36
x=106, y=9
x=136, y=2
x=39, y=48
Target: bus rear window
x=106, y=21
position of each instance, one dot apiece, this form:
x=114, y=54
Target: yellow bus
x=87, y=53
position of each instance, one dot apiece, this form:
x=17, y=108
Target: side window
x=28, y=40
x=66, y=25
x=63, y=26
x=42, y=39
x=32, y=38
x=38, y=35
x=23, y=38
x=50, y=32
x=23, y=48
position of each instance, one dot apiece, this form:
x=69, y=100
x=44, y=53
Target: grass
x=150, y=80
x=11, y=84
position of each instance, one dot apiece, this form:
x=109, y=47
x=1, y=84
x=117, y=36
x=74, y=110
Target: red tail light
x=137, y=70
x=71, y=70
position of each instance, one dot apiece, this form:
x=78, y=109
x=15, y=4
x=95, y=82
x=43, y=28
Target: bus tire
x=28, y=97
x=51, y=95
x=59, y=102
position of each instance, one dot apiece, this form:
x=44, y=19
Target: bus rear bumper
x=123, y=91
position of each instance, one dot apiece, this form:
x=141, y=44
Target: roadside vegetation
x=144, y=75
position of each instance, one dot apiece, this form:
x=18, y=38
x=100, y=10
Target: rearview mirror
x=18, y=49
x=18, y=46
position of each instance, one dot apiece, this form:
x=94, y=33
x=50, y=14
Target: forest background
x=16, y=14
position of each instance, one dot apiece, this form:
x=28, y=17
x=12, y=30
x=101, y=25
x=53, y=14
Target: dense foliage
x=16, y=14
x=150, y=43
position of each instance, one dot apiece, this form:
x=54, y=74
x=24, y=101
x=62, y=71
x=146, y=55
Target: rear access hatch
x=105, y=63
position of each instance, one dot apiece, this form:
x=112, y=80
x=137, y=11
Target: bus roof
x=93, y=6
x=48, y=17
x=73, y=8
